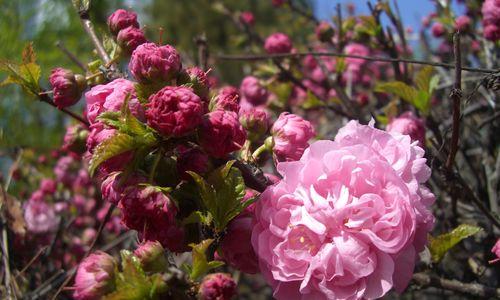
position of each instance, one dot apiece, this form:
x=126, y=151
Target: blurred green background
x=25, y=122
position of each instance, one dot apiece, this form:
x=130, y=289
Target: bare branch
x=472, y=289
x=456, y=97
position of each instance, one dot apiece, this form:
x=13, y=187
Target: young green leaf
x=441, y=244
x=115, y=145
x=200, y=263
x=399, y=89
x=423, y=78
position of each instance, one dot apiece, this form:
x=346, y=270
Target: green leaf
x=198, y=217
x=441, y=244
x=200, y=263
x=399, y=89
x=207, y=192
x=422, y=102
x=312, y=101
x=423, y=78
x=82, y=5
x=29, y=55
x=433, y=83
x=144, y=91
x=133, y=283
x=115, y=145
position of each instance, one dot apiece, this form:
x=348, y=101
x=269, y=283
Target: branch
x=456, y=97
x=45, y=98
x=89, y=29
x=261, y=56
x=71, y=56
x=472, y=289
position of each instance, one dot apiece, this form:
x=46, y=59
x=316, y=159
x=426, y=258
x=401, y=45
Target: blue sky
x=411, y=10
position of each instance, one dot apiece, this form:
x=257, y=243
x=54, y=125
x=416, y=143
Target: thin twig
x=471, y=289
x=45, y=98
x=5, y=246
x=89, y=29
x=91, y=248
x=489, y=120
x=37, y=255
x=456, y=97
x=261, y=56
x=201, y=42
x=71, y=56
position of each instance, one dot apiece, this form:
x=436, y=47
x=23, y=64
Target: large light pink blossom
x=110, y=97
x=347, y=220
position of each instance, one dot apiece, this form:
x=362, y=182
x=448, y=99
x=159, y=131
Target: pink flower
x=221, y=133
x=496, y=250
x=110, y=97
x=95, y=277
x=409, y=124
x=356, y=49
x=291, y=134
x=152, y=257
x=40, y=217
x=236, y=247
x=191, y=159
x=66, y=86
x=278, y=43
x=492, y=33
x=174, y=111
x=347, y=220
x=122, y=19
x=228, y=99
x=152, y=214
x=113, y=189
x=278, y=3
x=48, y=186
x=491, y=12
x=218, y=286
x=247, y=18
x=462, y=23
x=253, y=91
x=199, y=81
x=438, y=29
x=152, y=63
x=65, y=170
x=130, y=38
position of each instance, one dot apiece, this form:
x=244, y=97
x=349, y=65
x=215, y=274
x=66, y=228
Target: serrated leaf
x=399, y=89
x=144, y=91
x=340, y=65
x=422, y=102
x=31, y=72
x=206, y=191
x=198, y=217
x=312, y=101
x=441, y=244
x=115, y=145
x=200, y=263
x=433, y=83
x=423, y=78
x=29, y=55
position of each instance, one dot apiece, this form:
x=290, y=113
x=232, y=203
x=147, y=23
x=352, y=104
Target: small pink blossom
x=191, y=159
x=253, y=91
x=496, y=250
x=152, y=256
x=324, y=32
x=66, y=86
x=409, y=124
x=122, y=19
x=462, y=23
x=40, y=217
x=218, y=286
x=278, y=43
x=95, y=277
x=174, y=111
x=438, y=29
x=153, y=63
x=228, y=99
x=247, y=18
x=48, y=186
x=130, y=38
x=221, y=133
x=291, y=135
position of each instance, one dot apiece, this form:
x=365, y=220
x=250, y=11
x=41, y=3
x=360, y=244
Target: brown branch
x=471, y=289
x=45, y=98
x=37, y=255
x=91, y=248
x=203, y=54
x=261, y=56
x=456, y=97
x=89, y=29
x=5, y=245
x=253, y=176
x=71, y=56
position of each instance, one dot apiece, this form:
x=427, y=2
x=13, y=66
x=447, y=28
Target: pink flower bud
x=253, y=91
x=122, y=19
x=291, y=134
x=191, y=159
x=199, y=81
x=130, y=38
x=221, y=133
x=247, y=18
x=324, y=32
x=48, y=186
x=152, y=257
x=152, y=214
x=492, y=33
x=113, y=189
x=228, y=99
x=236, y=246
x=255, y=121
x=174, y=111
x=278, y=43
x=496, y=250
x=95, y=276
x=66, y=86
x=64, y=170
x=40, y=217
x=462, y=23
x=218, y=286
x=152, y=63
x=438, y=29
x=409, y=124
